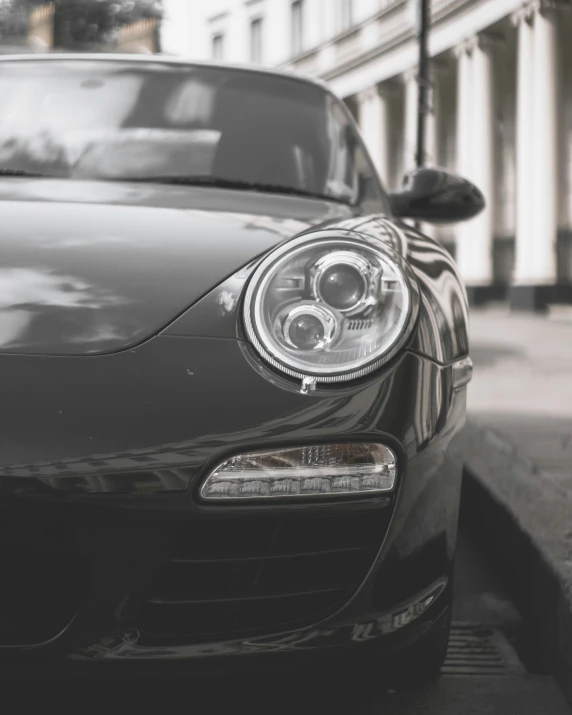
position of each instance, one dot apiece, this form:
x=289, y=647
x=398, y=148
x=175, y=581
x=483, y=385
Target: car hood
x=93, y=267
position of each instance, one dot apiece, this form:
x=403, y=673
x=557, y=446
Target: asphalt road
x=503, y=674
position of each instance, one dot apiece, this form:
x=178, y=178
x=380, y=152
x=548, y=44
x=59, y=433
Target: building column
x=431, y=138
x=374, y=125
x=482, y=165
x=445, y=122
x=431, y=142
x=475, y=161
x=545, y=148
x=524, y=238
x=411, y=118
x=536, y=158
x=464, y=231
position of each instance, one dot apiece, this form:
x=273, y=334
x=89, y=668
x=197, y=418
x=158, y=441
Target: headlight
x=332, y=305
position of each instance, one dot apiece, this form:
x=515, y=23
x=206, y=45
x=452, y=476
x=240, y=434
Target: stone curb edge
x=524, y=525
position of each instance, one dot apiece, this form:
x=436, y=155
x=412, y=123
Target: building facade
x=501, y=110
x=33, y=29
x=27, y=28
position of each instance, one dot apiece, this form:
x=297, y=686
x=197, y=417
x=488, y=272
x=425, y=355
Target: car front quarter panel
x=166, y=407
x=104, y=456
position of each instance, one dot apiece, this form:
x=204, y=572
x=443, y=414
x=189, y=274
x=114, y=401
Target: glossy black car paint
x=110, y=421
x=437, y=196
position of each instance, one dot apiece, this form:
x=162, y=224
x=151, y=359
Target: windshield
x=120, y=120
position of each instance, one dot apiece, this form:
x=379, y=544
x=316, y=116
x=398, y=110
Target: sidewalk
x=522, y=386
x=518, y=466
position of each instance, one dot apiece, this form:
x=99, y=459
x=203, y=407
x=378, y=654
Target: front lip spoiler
x=126, y=646
x=122, y=656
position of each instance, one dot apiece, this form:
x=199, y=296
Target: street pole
x=423, y=108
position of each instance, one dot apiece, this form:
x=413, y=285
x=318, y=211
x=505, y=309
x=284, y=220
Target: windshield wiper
x=23, y=172
x=234, y=184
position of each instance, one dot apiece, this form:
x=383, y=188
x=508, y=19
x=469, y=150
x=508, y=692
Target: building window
x=256, y=40
x=346, y=14
x=218, y=46
x=297, y=19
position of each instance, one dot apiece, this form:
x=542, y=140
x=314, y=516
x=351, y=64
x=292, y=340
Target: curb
x=523, y=521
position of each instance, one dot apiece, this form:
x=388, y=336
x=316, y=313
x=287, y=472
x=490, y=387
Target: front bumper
x=114, y=559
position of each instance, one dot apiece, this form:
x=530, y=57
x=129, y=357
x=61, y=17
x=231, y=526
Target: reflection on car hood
x=90, y=267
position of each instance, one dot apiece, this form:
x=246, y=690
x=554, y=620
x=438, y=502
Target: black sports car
x=233, y=379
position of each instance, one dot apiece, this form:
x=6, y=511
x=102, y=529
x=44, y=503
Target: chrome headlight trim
x=339, y=240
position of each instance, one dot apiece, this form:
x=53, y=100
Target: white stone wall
x=565, y=213
x=189, y=25
x=502, y=106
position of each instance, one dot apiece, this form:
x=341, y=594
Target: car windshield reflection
x=132, y=121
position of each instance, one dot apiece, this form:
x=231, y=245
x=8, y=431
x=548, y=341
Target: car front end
x=232, y=412
x=125, y=556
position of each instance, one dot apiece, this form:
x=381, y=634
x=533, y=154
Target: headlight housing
x=332, y=305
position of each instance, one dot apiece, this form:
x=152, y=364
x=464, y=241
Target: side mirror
x=437, y=196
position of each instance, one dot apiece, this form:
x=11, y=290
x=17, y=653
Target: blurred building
x=501, y=109
x=27, y=28
x=140, y=37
